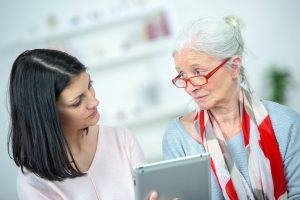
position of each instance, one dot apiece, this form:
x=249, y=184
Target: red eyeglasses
x=197, y=80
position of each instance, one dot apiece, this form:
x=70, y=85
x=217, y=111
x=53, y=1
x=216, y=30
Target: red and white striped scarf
x=265, y=164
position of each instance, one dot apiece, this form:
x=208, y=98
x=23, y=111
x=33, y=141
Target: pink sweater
x=109, y=177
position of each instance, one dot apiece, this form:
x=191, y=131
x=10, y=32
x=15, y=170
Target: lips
x=94, y=114
x=200, y=98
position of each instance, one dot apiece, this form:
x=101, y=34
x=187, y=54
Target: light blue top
x=177, y=142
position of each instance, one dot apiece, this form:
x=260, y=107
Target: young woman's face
x=77, y=104
x=220, y=87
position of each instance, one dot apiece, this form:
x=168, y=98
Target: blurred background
x=126, y=45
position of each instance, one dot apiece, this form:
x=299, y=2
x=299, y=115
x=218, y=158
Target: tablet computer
x=186, y=178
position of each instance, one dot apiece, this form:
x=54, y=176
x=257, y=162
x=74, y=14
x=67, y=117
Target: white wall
x=271, y=34
x=8, y=169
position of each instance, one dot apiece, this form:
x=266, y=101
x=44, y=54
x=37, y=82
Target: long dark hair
x=37, y=139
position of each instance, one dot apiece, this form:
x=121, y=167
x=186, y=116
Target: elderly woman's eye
x=181, y=75
x=198, y=73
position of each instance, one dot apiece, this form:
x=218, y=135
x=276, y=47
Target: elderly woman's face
x=220, y=87
x=77, y=104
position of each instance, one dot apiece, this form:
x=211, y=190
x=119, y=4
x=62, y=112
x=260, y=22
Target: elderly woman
x=252, y=143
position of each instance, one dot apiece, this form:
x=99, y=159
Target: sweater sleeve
x=171, y=144
x=30, y=188
x=292, y=161
x=135, y=152
x=286, y=124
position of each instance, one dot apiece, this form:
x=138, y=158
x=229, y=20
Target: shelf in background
x=129, y=14
x=145, y=50
x=154, y=114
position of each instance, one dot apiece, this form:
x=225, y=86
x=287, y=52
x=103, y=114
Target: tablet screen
x=184, y=178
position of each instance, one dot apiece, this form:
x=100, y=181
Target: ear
x=235, y=66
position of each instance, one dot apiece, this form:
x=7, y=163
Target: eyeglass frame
x=207, y=76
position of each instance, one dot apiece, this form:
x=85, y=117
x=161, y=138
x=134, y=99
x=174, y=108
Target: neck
x=226, y=114
x=83, y=146
x=76, y=139
x=228, y=117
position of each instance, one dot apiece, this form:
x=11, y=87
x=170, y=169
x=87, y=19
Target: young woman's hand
x=154, y=196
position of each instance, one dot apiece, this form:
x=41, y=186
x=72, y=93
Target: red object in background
x=152, y=32
x=164, y=24
x=158, y=27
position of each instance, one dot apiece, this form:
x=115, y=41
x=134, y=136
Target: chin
x=93, y=122
x=204, y=105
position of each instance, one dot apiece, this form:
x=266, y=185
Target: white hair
x=219, y=38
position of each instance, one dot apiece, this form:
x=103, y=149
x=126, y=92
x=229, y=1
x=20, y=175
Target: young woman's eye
x=76, y=104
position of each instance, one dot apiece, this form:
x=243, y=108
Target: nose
x=190, y=88
x=93, y=101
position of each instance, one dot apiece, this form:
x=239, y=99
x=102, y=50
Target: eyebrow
x=193, y=66
x=71, y=101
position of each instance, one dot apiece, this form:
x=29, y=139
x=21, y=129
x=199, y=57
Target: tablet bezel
x=183, y=178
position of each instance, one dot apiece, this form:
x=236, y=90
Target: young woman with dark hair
x=55, y=140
